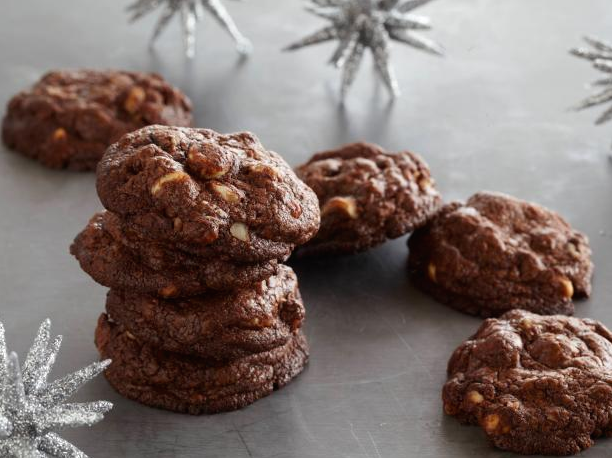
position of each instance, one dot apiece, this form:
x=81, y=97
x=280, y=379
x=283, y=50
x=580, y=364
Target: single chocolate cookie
x=367, y=196
x=218, y=326
x=137, y=238
x=69, y=118
x=496, y=253
x=535, y=384
x=218, y=196
x=194, y=385
x=112, y=264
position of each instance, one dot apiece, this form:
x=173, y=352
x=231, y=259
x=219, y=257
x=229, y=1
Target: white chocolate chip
x=265, y=170
x=168, y=178
x=568, y=287
x=573, y=250
x=240, y=231
x=178, y=224
x=347, y=205
x=259, y=323
x=217, y=174
x=475, y=397
x=491, y=422
x=168, y=291
x=513, y=404
x=60, y=134
x=526, y=323
x=425, y=184
x=431, y=272
x=135, y=97
x=226, y=193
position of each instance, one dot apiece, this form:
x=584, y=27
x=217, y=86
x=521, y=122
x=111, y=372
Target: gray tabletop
x=491, y=115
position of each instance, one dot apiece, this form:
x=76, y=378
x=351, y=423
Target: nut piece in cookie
x=367, y=196
x=194, y=385
x=69, y=117
x=207, y=194
x=535, y=384
x=496, y=253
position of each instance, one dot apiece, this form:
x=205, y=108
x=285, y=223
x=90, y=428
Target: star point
x=600, y=54
x=190, y=13
x=368, y=24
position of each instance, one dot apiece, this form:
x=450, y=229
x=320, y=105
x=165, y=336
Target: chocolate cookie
x=535, y=384
x=114, y=265
x=367, y=196
x=218, y=196
x=217, y=326
x=194, y=385
x=138, y=238
x=496, y=253
x=69, y=118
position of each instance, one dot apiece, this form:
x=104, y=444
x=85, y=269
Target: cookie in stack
x=202, y=317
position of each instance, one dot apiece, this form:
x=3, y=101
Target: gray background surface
x=491, y=115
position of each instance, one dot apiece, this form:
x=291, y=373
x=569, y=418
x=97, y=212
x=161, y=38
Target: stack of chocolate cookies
x=202, y=317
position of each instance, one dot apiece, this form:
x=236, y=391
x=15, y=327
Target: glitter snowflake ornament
x=368, y=24
x=600, y=53
x=190, y=12
x=31, y=409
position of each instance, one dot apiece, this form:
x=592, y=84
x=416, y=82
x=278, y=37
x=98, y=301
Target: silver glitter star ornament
x=600, y=54
x=190, y=12
x=368, y=24
x=31, y=409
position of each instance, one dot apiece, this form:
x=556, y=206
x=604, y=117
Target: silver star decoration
x=361, y=24
x=190, y=11
x=600, y=54
x=31, y=409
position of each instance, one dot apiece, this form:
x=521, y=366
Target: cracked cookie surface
x=69, y=117
x=216, y=326
x=367, y=196
x=114, y=265
x=535, y=384
x=194, y=385
x=214, y=195
x=496, y=253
